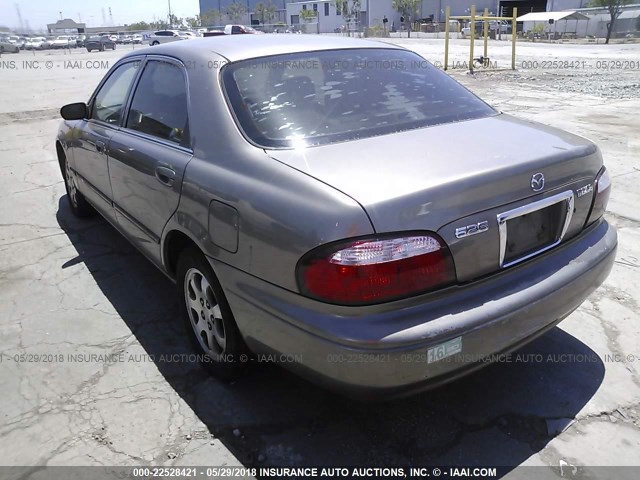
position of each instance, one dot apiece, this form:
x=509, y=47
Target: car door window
x=109, y=102
x=159, y=105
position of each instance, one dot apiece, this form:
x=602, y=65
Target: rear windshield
x=316, y=98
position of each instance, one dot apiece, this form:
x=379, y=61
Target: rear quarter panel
x=281, y=213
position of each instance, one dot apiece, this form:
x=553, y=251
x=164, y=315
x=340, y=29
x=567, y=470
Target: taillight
x=602, y=191
x=376, y=270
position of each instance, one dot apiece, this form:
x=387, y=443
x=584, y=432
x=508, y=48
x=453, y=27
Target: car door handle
x=165, y=175
x=100, y=146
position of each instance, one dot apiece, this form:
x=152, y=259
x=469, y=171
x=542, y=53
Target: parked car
x=503, y=25
x=239, y=30
x=137, y=39
x=494, y=25
x=48, y=42
x=17, y=40
x=63, y=41
x=313, y=228
x=187, y=35
x=466, y=30
x=80, y=39
x=213, y=33
x=99, y=43
x=164, y=36
x=126, y=40
x=35, y=43
x=6, y=45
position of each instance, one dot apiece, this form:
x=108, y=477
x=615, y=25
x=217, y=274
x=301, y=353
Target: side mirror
x=74, y=111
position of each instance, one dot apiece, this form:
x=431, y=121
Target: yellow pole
x=485, y=25
x=513, y=38
x=446, y=37
x=472, y=32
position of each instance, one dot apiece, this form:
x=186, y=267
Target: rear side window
x=159, y=105
x=315, y=98
x=110, y=99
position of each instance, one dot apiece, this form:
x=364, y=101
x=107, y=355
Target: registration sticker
x=444, y=350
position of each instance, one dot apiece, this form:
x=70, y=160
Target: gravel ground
x=621, y=85
x=606, y=71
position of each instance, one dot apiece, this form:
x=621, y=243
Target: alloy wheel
x=71, y=185
x=204, y=313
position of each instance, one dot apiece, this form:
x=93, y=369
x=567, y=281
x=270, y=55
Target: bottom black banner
x=227, y=472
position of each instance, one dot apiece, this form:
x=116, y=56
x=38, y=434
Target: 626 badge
x=474, y=229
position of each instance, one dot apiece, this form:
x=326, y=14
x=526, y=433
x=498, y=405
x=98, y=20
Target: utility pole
x=19, y=17
x=169, y=13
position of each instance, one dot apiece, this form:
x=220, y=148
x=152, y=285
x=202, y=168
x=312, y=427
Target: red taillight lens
x=601, y=196
x=376, y=270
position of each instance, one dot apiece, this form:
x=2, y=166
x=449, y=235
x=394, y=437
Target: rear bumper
x=382, y=350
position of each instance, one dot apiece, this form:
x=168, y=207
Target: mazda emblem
x=537, y=182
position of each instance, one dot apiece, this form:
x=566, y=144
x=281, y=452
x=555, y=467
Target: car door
x=148, y=157
x=163, y=36
x=90, y=154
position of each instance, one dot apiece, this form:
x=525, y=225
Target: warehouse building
x=329, y=19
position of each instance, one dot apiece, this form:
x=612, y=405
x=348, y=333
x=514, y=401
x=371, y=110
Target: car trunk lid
x=438, y=177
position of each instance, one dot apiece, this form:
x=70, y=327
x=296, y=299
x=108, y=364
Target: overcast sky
x=40, y=12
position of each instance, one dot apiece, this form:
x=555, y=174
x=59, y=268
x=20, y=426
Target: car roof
x=241, y=47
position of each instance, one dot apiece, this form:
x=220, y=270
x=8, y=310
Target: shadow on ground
x=500, y=415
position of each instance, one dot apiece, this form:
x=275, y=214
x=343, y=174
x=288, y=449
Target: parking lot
x=95, y=369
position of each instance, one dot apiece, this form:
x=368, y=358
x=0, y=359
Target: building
x=328, y=18
x=559, y=5
x=67, y=26
x=597, y=18
x=222, y=5
x=374, y=11
x=70, y=27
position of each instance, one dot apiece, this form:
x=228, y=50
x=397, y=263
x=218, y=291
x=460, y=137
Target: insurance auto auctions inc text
x=377, y=472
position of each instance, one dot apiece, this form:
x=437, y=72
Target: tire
x=78, y=203
x=113, y=47
x=155, y=42
x=89, y=50
x=102, y=47
x=207, y=317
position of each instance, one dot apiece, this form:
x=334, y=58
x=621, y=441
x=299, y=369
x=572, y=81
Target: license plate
x=533, y=231
x=534, y=228
x=444, y=350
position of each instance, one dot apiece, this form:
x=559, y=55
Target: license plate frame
x=567, y=198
